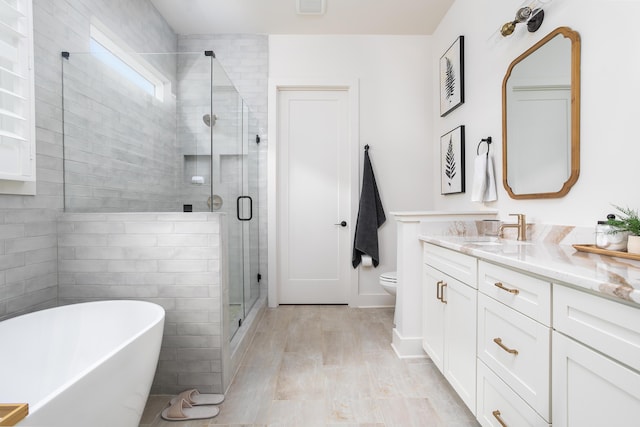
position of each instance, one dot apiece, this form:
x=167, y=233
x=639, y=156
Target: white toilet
x=389, y=282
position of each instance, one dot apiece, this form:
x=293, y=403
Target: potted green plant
x=628, y=221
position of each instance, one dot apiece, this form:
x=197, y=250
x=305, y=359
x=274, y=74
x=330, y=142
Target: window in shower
x=129, y=65
x=17, y=125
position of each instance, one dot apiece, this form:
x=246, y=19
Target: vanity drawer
x=517, y=349
x=455, y=264
x=608, y=326
x=496, y=399
x=528, y=295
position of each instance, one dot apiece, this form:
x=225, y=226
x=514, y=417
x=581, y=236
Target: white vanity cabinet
x=514, y=354
x=449, y=317
x=596, y=361
x=531, y=341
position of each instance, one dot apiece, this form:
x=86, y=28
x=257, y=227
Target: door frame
x=351, y=86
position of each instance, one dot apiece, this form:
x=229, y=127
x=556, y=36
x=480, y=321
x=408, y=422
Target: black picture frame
x=452, y=176
x=452, y=77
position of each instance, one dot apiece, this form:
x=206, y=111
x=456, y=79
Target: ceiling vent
x=311, y=7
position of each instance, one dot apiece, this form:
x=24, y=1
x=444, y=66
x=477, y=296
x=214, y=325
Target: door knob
x=342, y=224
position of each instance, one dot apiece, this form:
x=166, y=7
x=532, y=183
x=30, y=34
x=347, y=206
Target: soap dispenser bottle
x=607, y=239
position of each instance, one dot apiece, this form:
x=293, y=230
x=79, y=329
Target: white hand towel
x=484, y=179
x=490, y=193
x=479, y=178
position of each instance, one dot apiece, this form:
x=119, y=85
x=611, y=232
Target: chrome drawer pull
x=501, y=286
x=504, y=347
x=438, y=294
x=496, y=414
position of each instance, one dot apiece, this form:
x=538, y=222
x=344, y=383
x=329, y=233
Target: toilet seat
x=389, y=277
x=389, y=281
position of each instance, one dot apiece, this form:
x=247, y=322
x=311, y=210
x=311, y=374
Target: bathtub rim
x=159, y=317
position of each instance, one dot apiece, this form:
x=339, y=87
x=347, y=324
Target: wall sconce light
x=532, y=15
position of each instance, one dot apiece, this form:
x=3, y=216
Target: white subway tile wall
x=139, y=262
x=28, y=264
x=95, y=256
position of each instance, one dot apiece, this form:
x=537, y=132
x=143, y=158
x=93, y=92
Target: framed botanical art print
x=452, y=77
x=452, y=161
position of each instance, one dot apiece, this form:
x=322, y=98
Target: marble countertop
x=561, y=263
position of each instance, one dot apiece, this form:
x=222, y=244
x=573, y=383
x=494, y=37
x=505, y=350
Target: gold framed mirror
x=541, y=118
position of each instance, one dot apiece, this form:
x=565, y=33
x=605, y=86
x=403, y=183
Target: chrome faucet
x=521, y=226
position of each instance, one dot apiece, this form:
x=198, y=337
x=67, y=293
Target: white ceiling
x=280, y=17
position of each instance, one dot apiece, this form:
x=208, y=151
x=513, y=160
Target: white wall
x=394, y=75
x=609, y=114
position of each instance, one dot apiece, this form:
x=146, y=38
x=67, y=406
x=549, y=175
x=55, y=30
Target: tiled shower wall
x=28, y=261
x=176, y=260
x=28, y=265
x=120, y=145
x=245, y=59
x=217, y=149
x=28, y=232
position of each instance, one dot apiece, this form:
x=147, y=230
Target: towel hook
x=366, y=147
x=488, y=141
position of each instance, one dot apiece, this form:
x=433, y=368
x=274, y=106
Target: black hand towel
x=370, y=218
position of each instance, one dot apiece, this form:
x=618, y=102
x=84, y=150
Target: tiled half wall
x=173, y=259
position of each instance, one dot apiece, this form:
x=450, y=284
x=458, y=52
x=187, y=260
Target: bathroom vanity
x=533, y=333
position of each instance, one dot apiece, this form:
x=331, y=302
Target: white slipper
x=194, y=398
x=182, y=411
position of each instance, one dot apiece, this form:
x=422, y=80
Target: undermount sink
x=493, y=241
x=486, y=242
x=483, y=240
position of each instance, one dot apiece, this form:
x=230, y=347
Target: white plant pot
x=633, y=245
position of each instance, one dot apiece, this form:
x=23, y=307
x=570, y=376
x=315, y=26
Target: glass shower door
x=246, y=218
x=252, y=247
x=235, y=187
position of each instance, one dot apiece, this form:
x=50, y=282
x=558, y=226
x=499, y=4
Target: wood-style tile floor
x=329, y=366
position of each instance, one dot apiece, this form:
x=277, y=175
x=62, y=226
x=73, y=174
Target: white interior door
x=538, y=154
x=313, y=193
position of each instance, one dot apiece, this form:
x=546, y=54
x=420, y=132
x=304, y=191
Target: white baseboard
x=373, y=301
x=407, y=347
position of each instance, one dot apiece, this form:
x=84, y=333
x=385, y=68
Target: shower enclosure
x=165, y=132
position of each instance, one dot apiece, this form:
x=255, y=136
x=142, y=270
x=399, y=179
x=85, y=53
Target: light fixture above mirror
x=531, y=13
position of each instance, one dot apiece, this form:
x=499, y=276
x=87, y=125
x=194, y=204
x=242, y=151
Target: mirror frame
x=575, y=114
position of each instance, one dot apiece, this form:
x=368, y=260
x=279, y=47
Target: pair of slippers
x=191, y=405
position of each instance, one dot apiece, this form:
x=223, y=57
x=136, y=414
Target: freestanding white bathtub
x=81, y=365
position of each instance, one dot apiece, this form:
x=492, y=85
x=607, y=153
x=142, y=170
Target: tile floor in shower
x=329, y=366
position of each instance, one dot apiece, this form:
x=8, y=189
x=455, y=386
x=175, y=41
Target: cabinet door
x=521, y=357
x=460, y=339
x=607, y=326
x=591, y=390
x=432, y=316
x=498, y=404
x=528, y=295
x=453, y=263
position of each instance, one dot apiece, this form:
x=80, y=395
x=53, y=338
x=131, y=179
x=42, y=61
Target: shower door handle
x=250, y=208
